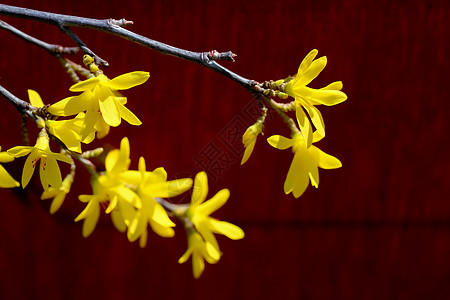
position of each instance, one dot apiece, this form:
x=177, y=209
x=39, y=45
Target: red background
x=378, y=228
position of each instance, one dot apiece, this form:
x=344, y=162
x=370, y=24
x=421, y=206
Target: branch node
x=119, y=23
x=215, y=55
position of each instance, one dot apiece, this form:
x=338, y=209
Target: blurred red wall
x=378, y=228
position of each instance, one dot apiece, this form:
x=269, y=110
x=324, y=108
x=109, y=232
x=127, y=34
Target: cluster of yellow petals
x=307, y=158
x=49, y=171
x=101, y=103
x=305, y=164
x=133, y=198
x=129, y=196
x=202, y=244
x=306, y=98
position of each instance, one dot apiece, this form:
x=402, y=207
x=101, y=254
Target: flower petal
x=90, y=120
x=326, y=161
x=117, y=220
x=337, y=86
x=325, y=97
x=49, y=170
x=110, y=112
x=127, y=115
x=213, y=204
x=19, y=151
x=127, y=80
x=248, y=151
x=185, y=256
x=28, y=167
x=101, y=127
x=311, y=72
x=229, y=230
x=112, y=204
x=200, y=190
x=304, y=124
x=162, y=231
x=297, y=178
x=143, y=239
x=316, y=118
x=91, y=220
x=280, y=142
x=131, y=177
x=35, y=99
x=5, y=157
x=207, y=234
x=306, y=62
x=111, y=160
x=317, y=137
x=168, y=189
x=85, y=85
x=6, y=180
x=198, y=265
x=313, y=172
x=127, y=195
x=60, y=157
x=160, y=174
x=57, y=202
x=137, y=226
x=160, y=216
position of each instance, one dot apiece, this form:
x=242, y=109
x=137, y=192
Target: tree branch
x=22, y=106
x=55, y=50
x=115, y=27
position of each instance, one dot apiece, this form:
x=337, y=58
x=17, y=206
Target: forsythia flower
x=68, y=131
x=200, y=250
x=306, y=97
x=304, y=166
x=110, y=188
x=198, y=212
x=58, y=195
x=102, y=103
x=153, y=185
x=48, y=169
x=6, y=180
x=249, y=139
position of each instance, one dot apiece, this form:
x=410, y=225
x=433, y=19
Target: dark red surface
x=378, y=228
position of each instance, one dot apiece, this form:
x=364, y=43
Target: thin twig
x=84, y=48
x=116, y=28
x=55, y=50
x=22, y=106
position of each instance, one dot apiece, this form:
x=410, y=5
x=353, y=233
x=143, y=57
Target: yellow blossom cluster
x=307, y=158
x=135, y=199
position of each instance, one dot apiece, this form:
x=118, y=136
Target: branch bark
x=115, y=27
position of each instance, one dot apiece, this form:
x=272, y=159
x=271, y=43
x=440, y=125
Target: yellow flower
x=198, y=212
x=304, y=166
x=68, y=131
x=153, y=185
x=6, y=180
x=306, y=97
x=109, y=187
x=103, y=105
x=48, y=169
x=200, y=250
x=249, y=139
x=58, y=195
